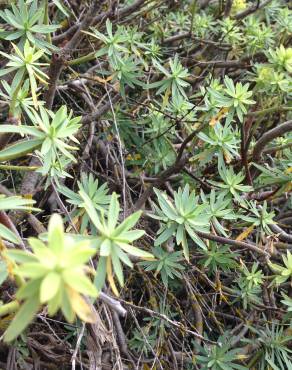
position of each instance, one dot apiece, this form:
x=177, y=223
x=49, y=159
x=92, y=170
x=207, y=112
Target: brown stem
x=251, y=9
x=228, y=6
x=55, y=70
x=6, y=221
x=234, y=243
x=282, y=234
x=268, y=137
x=175, y=168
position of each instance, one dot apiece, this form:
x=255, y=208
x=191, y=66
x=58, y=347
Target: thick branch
x=234, y=243
x=55, y=70
x=268, y=137
x=282, y=234
x=251, y=9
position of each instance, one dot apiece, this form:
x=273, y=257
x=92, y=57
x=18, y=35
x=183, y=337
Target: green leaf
x=113, y=212
x=16, y=202
x=118, y=269
x=100, y=275
x=129, y=236
x=128, y=223
x=31, y=288
x=22, y=319
x=80, y=283
x=32, y=270
x=3, y=272
x=165, y=235
x=90, y=210
x=105, y=247
x=66, y=307
x=49, y=286
x=55, y=303
x=20, y=256
x=61, y=7
x=134, y=251
x=80, y=256
x=24, y=130
x=19, y=149
x=166, y=206
x=56, y=234
x=7, y=234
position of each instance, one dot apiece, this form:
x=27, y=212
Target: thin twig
x=165, y=318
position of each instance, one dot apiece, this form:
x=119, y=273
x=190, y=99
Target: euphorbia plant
x=24, y=63
x=54, y=274
x=114, y=241
x=236, y=97
x=181, y=218
x=50, y=132
x=27, y=22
